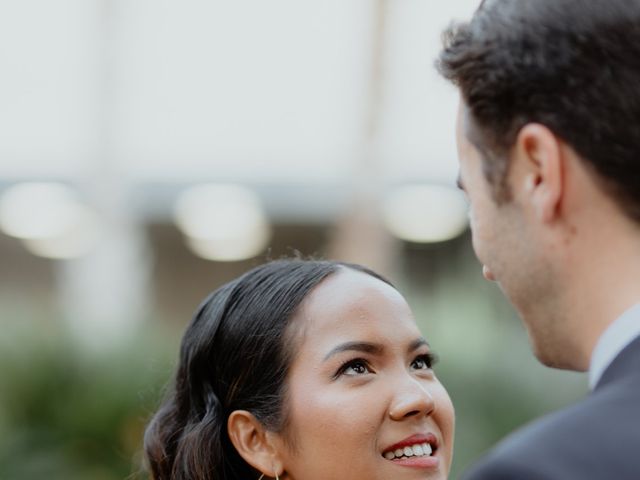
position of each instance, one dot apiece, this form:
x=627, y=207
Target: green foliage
x=67, y=414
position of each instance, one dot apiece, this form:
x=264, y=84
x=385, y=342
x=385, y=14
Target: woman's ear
x=253, y=442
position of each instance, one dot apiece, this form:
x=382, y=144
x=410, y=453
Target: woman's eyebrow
x=371, y=348
x=365, y=347
x=417, y=343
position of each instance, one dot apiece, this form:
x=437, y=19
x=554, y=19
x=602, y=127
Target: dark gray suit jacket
x=595, y=439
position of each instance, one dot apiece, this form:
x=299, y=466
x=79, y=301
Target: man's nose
x=412, y=398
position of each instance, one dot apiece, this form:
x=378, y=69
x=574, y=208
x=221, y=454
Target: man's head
x=549, y=144
x=571, y=65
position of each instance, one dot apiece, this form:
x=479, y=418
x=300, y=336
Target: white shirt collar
x=617, y=336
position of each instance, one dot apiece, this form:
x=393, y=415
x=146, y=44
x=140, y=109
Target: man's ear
x=254, y=443
x=539, y=171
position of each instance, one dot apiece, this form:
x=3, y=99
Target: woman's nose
x=411, y=399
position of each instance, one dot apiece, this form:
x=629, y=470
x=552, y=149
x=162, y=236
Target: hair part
x=235, y=355
x=571, y=65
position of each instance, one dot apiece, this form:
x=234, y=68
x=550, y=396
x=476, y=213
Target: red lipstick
x=417, y=439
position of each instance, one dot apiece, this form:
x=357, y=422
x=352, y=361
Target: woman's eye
x=424, y=362
x=355, y=367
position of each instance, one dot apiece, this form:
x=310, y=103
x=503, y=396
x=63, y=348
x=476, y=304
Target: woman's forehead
x=354, y=306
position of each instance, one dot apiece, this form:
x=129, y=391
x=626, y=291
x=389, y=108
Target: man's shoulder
x=595, y=438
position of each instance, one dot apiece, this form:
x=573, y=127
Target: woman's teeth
x=414, y=451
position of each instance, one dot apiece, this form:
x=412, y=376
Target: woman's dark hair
x=571, y=65
x=235, y=355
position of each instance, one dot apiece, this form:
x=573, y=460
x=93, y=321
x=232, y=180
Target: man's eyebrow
x=371, y=348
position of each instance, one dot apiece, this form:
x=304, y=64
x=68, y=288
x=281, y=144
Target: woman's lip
x=417, y=439
x=432, y=462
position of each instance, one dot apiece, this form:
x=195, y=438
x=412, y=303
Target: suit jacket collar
x=625, y=364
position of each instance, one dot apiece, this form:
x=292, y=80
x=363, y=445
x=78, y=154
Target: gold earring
x=262, y=476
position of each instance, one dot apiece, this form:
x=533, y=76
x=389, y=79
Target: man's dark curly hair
x=571, y=65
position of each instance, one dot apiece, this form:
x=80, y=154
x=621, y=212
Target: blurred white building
x=321, y=111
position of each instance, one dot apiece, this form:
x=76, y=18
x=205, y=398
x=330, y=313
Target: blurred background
x=151, y=150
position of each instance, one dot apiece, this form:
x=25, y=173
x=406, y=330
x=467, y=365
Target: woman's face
x=363, y=402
